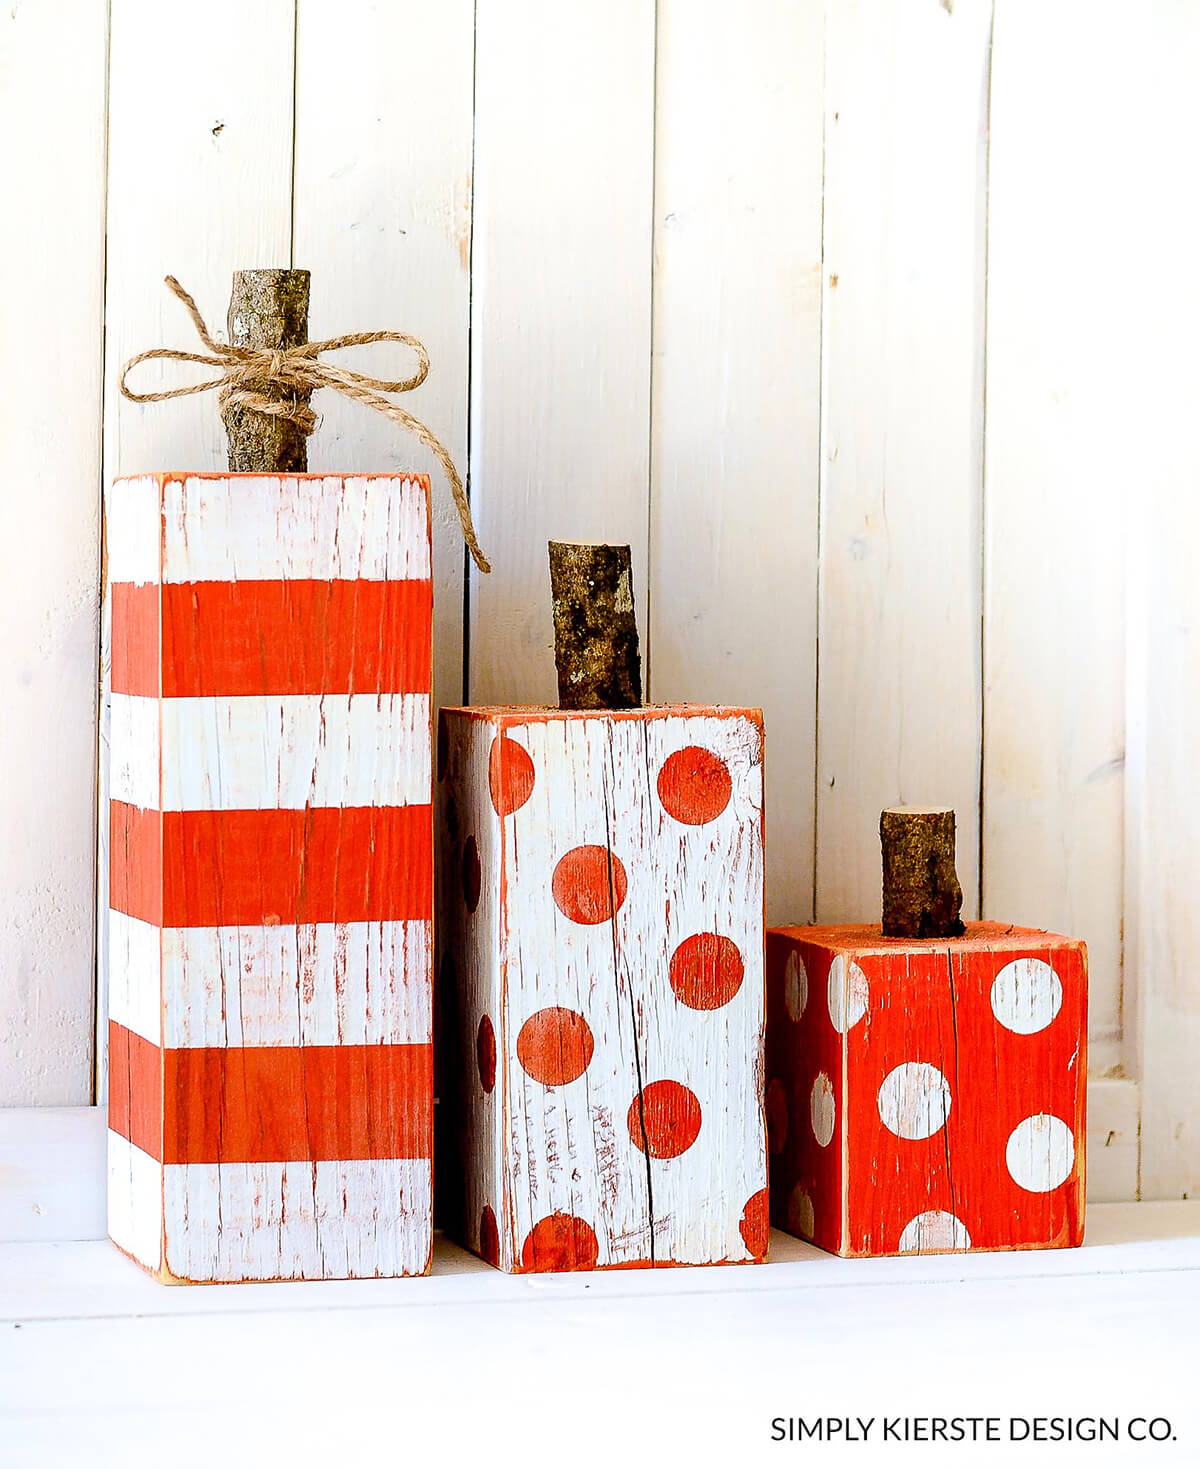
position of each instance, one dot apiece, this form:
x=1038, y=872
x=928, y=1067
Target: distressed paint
x=270, y=837
x=927, y=1095
x=601, y=927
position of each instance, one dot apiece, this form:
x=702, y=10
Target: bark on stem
x=268, y=309
x=922, y=897
x=595, y=631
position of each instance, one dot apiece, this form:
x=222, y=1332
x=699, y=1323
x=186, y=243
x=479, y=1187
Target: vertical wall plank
x=52, y=74
x=560, y=372
x=382, y=219
x=199, y=185
x=905, y=212
x=1154, y=357
x=736, y=388
x=1061, y=442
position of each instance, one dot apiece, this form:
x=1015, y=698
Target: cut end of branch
x=922, y=897
x=268, y=310
x=595, y=630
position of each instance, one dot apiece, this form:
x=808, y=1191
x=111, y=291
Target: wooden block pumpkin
x=927, y=1094
x=601, y=933
x=270, y=819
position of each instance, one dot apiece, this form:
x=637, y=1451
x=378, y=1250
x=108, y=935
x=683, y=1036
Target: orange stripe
x=135, y=639
x=276, y=1104
x=350, y=864
x=296, y=637
x=135, y=1083
x=135, y=862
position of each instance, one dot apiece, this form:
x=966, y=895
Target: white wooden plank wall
x=866, y=325
x=51, y=328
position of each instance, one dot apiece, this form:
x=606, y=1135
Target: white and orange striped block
x=601, y=977
x=270, y=876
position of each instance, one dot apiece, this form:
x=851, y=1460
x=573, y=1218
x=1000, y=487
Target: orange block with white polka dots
x=927, y=1095
x=600, y=984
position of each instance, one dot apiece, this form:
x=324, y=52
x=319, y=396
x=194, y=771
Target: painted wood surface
x=906, y=92
x=736, y=388
x=927, y=1095
x=52, y=102
x=662, y=396
x=381, y=215
x=560, y=313
x=1062, y=451
x=602, y=972
x=270, y=829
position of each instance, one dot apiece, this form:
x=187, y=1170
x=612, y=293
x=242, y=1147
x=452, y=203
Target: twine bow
x=244, y=371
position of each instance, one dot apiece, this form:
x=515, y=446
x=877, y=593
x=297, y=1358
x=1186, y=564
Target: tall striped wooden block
x=601, y=932
x=927, y=1095
x=270, y=1047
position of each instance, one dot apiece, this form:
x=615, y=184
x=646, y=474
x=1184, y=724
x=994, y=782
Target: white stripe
x=135, y=975
x=264, y=527
x=298, y=1221
x=321, y=984
x=133, y=529
x=135, y=1201
x=266, y=753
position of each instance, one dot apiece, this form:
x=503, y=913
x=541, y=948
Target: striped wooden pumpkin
x=601, y=973
x=270, y=1092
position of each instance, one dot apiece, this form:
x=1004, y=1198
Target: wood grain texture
x=732, y=597
x=212, y=127
x=52, y=112
x=623, y=928
x=927, y=1095
x=271, y=1059
x=1065, y=441
x=560, y=369
x=903, y=341
x=382, y=217
x=1160, y=375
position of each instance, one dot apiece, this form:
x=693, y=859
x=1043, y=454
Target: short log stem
x=595, y=630
x=922, y=897
x=268, y=309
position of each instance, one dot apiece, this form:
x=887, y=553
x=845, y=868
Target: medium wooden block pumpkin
x=927, y=1095
x=270, y=1081
x=601, y=931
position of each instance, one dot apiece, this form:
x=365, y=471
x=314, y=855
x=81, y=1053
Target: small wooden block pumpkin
x=601, y=930
x=926, y=1094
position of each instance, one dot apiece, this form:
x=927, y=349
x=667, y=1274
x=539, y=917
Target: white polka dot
x=849, y=994
x=914, y=1100
x=800, y=1217
x=795, y=985
x=1040, y=1153
x=1026, y=996
x=822, y=1109
x=932, y=1233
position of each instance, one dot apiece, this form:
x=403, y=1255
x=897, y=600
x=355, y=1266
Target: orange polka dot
x=472, y=875
x=706, y=971
x=665, y=1120
x=560, y=1242
x=555, y=1045
x=589, y=884
x=485, y=1053
x=694, y=785
x=777, y=1116
x=489, y=1236
x=510, y=775
x=756, y=1223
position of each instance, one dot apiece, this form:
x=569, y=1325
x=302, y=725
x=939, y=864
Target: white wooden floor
x=100, y=1365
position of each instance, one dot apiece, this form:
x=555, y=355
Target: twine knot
x=245, y=372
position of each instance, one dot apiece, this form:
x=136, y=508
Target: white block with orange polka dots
x=601, y=986
x=927, y=1095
